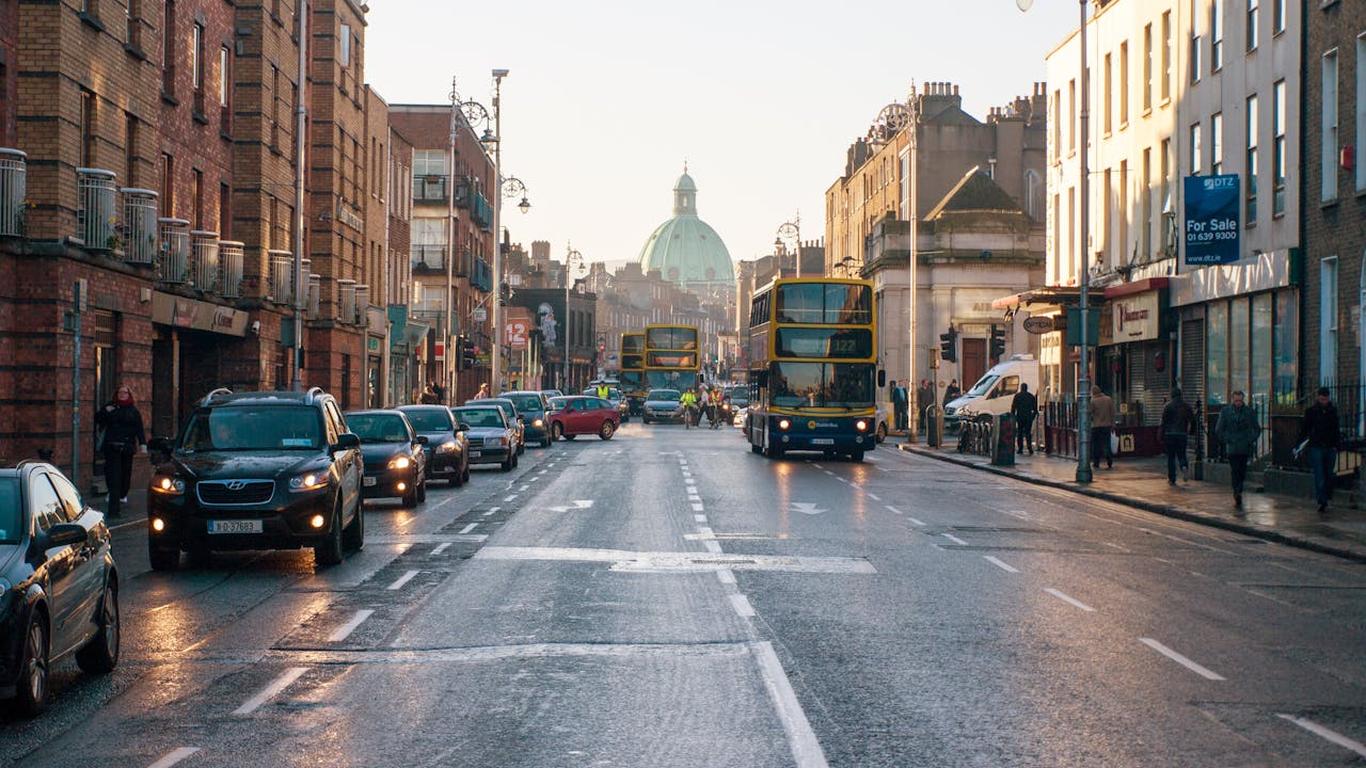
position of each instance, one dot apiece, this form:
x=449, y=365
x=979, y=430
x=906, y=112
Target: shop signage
x=517, y=327
x=1038, y=324
x=479, y=314
x=1135, y=318
x=1213, y=229
x=372, y=343
x=197, y=315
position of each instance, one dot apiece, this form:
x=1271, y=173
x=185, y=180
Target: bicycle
x=689, y=415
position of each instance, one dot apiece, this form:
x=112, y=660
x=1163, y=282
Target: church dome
x=685, y=249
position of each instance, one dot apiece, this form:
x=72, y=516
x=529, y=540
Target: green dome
x=685, y=249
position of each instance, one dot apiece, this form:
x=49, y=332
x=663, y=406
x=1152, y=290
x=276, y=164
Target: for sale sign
x=1213, y=229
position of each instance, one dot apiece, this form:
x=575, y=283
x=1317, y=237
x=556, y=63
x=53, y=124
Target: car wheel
x=556, y=431
x=329, y=550
x=409, y=499
x=422, y=491
x=353, y=536
x=607, y=430
x=31, y=694
x=101, y=654
x=163, y=559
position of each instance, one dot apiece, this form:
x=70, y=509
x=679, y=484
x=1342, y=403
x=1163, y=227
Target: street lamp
x=1083, y=301
x=513, y=188
x=792, y=230
x=571, y=258
x=497, y=138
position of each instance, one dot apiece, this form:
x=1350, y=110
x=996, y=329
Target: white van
x=994, y=391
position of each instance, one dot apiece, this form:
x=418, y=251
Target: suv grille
x=235, y=492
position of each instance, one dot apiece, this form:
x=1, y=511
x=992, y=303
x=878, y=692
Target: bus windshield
x=671, y=338
x=833, y=303
x=632, y=380
x=632, y=342
x=671, y=379
x=822, y=385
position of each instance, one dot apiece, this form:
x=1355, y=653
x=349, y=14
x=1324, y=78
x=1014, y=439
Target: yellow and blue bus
x=633, y=370
x=673, y=357
x=813, y=367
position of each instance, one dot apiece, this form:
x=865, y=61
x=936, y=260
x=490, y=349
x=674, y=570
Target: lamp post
x=571, y=258
x=792, y=230
x=496, y=315
x=1084, y=280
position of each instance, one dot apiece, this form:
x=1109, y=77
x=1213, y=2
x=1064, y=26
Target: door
x=88, y=577
x=974, y=364
x=62, y=563
x=350, y=468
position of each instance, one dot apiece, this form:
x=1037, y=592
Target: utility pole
x=1084, y=375
x=300, y=181
x=496, y=314
x=448, y=366
x=913, y=405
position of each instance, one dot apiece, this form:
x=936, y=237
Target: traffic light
x=948, y=345
x=468, y=352
x=998, y=342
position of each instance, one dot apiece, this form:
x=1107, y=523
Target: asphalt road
x=670, y=599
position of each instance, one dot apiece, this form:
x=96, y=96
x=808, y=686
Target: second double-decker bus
x=673, y=358
x=813, y=367
x=633, y=370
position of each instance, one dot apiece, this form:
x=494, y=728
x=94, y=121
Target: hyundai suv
x=257, y=470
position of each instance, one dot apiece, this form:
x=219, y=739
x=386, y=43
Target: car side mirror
x=421, y=440
x=346, y=441
x=882, y=378
x=159, y=444
x=61, y=535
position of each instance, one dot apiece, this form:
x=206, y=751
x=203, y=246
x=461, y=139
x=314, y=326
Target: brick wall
x=9, y=70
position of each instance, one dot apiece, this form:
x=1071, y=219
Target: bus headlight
x=783, y=424
x=861, y=425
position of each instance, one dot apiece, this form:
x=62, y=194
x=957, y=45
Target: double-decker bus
x=813, y=367
x=633, y=370
x=673, y=357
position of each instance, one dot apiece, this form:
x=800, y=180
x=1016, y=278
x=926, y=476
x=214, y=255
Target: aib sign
x=1213, y=204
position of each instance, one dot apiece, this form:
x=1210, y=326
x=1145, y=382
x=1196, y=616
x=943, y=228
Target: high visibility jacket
x=688, y=398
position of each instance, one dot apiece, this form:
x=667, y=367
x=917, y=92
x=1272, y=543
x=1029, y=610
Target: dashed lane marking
x=726, y=576
x=510, y=498
x=955, y=539
x=697, y=506
x=469, y=528
x=173, y=757
x=999, y=563
x=401, y=580
x=1072, y=601
x=624, y=560
x=742, y=606
x=492, y=510
x=915, y=521
x=874, y=497
x=1325, y=733
x=441, y=548
x=1179, y=659
x=894, y=510
x=344, y=631
x=277, y=685
x=699, y=518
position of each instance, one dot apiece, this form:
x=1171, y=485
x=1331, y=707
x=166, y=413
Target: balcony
x=429, y=256
x=482, y=279
x=481, y=213
x=13, y=189
x=281, y=289
x=96, y=217
x=139, y=226
x=431, y=189
x=204, y=260
x=173, y=267
x=231, y=262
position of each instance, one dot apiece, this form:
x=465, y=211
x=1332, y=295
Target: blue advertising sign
x=1213, y=229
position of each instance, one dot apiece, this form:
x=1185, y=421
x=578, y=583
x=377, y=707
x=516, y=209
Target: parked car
x=531, y=406
x=447, y=450
x=663, y=405
x=583, y=415
x=492, y=438
x=395, y=459
x=994, y=392
x=549, y=393
x=257, y=470
x=60, y=584
x=515, y=420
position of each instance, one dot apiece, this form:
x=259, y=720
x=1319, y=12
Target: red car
x=577, y=415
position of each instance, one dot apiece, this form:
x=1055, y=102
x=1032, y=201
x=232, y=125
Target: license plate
x=822, y=441
x=475, y=454
x=234, y=526
x=369, y=481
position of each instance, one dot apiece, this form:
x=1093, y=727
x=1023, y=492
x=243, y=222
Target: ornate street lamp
x=792, y=230
x=571, y=258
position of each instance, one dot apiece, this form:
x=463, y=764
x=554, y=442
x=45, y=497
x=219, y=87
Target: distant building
x=685, y=249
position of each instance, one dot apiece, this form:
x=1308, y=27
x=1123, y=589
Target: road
x=670, y=599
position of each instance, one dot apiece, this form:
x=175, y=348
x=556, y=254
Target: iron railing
x=281, y=277
x=429, y=255
x=204, y=260
x=173, y=267
x=346, y=300
x=96, y=218
x=13, y=191
x=431, y=189
x=231, y=262
x=139, y=226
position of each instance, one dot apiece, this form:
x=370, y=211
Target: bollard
x=1003, y=441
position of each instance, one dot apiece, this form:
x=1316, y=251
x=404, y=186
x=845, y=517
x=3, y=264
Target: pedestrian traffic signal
x=998, y=342
x=468, y=353
x=948, y=345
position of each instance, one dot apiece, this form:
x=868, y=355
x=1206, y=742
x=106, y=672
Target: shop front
x=195, y=346
x=1135, y=361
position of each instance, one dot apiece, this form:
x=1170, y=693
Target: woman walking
x=121, y=423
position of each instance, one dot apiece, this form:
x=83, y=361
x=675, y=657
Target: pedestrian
x=1178, y=422
x=439, y=391
x=898, y=405
x=120, y=423
x=923, y=400
x=1102, y=424
x=1238, y=431
x=428, y=396
x=483, y=393
x=1024, y=407
x=1319, y=431
x=951, y=392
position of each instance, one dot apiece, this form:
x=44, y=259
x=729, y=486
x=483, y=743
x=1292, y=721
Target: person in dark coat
x=1024, y=407
x=952, y=392
x=121, y=425
x=1178, y=422
x=924, y=398
x=1319, y=431
x=1238, y=431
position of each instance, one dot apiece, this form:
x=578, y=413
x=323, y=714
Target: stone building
x=685, y=249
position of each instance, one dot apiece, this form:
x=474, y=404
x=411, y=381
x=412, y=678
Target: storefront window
x=1261, y=349
x=1239, y=355
x=1285, y=345
x=1216, y=352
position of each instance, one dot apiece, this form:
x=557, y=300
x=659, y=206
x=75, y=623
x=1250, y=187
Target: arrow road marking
x=806, y=508
x=578, y=504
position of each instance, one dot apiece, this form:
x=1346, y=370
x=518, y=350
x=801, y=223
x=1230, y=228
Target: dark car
x=395, y=462
x=515, y=420
x=447, y=450
x=257, y=470
x=60, y=584
x=663, y=405
x=531, y=406
x=492, y=438
x=583, y=415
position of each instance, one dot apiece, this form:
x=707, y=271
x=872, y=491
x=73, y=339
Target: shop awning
x=1137, y=286
x=1045, y=295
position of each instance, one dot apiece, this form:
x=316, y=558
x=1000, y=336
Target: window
x=1124, y=83
x=1216, y=351
x=1251, y=169
x=1122, y=250
x=1328, y=164
x=1252, y=14
x=1057, y=239
x=1106, y=201
x=1216, y=37
x=197, y=198
x=1109, y=97
x=133, y=17
x=344, y=41
x=1277, y=16
x=1147, y=67
x=1259, y=388
x=72, y=506
x=224, y=81
x=1071, y=236
x=130, y=148
x=1057, y=128
x=1361, y=110
x=1147, y=204
x=197, y=56
x=1166, y=55
x=1285, y=341
x=224, y=212
x=167, y=186
x=1071, y=116
x=1216, y=144
x=45, y=503
x=1194, y=150
x=1328, y=319
x=1239, y=345
x=1194, y=53
x=87, y=129
x=1165, y=198
x=274, y=107
x=1278, y=170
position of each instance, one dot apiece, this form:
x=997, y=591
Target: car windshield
x=429, y=419
x=481, y=417
x=11, y=516
x=737, y=393
x=269, y=428
x=378, y=427
x=822, y=385
x=983, y=384
x=526, y=402
x=664, y=395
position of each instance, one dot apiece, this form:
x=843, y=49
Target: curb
x=1166, y=510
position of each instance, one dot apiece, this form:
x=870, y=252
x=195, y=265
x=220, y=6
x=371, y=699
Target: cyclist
x=714, y=407
x=689, y=401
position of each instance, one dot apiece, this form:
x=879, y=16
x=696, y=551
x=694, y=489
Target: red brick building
x=9, y=74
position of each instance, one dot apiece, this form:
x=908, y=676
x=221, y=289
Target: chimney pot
x=955, y=90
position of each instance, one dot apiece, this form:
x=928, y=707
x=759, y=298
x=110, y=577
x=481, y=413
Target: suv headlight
x=168, y=485
x=311, y=481
x=400, y=462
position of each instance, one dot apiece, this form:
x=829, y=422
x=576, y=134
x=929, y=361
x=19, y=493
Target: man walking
x=898, y=405
x=923, y=400
x=1238, y=430
x=1178, y=421
x=1024, y=408
x=1319, y=429
x=1102, y=424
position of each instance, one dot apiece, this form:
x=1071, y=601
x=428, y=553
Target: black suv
x=257, y=470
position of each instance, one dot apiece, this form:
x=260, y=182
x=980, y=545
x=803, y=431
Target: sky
x=606, y=99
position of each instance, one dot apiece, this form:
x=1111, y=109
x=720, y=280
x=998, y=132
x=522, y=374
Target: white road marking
x=954, y=539
x=277, y=685
x=577, y=504
x=1179, y=659
x=625, y=560
x=401, y=580
x=697, y=506
x=726, y=576
x=344, y=631
x=491, y=511
x=713, y=546
x=441, y=548
x=806, y=508
x=524, y=488
x=817, y=466
x=173, y=757
x=510, y=498
x=828, y=472
x=699, y=518
x=741, y=605
x=806, y=748
x=915, y=521
x=1333, y=736
x=1072, y=601
x=874, y=497
x=883, y=469
x=686, y=473
x=894, y=510
x=1120, y=547
x=1003, y=565
x=469, y=528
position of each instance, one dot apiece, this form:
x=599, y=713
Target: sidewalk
x=1142, y=483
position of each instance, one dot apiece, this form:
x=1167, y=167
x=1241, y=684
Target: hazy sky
x=606, y=98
